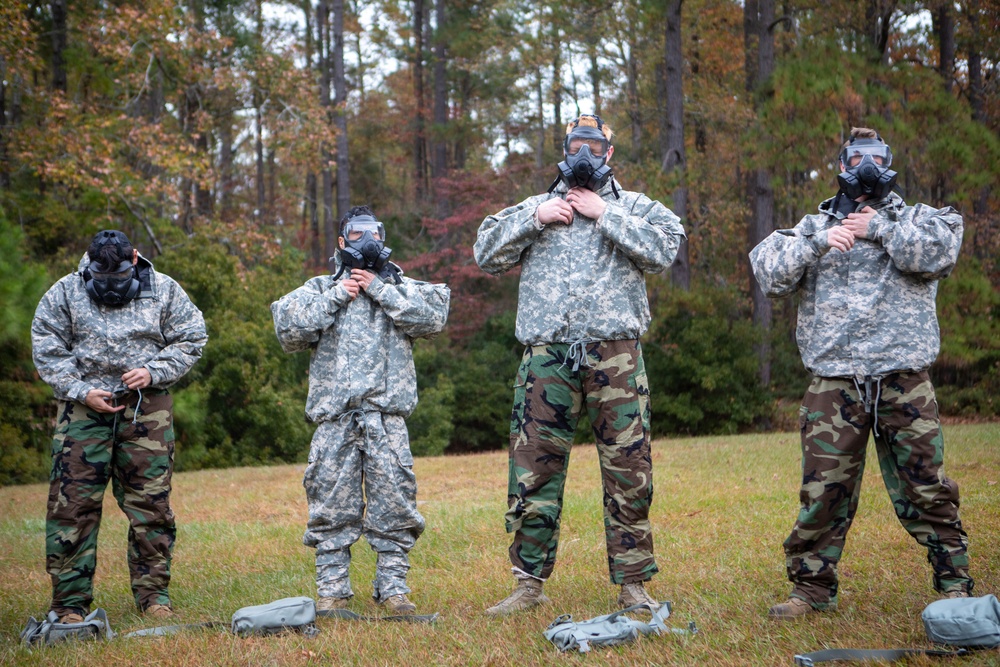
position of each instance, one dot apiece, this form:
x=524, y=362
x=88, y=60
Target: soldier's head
x=864, y=141
x=864, y=166
x=586, y=152
x=111, y=278
x=362, y=240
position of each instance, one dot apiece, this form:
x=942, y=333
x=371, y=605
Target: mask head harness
x=364, y=248
x=586, y=151
x=866, y=162
x=111, y=284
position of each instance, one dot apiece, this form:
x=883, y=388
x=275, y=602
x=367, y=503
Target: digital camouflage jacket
x=584, y=281
x=869, y=311
x=362, y=356
x=79, y=345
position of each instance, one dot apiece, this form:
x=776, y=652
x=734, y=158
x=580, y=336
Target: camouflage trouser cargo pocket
x=89, y=450
x=548, y=398
x=835, y=428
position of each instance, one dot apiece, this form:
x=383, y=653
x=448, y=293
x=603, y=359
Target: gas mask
x=112, y=285
x=867, y=169
x=586, y=152
x=364, y=248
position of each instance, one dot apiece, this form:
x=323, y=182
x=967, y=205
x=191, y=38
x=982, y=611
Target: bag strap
x=832, y=654
x=164, y=630
x=348, y=615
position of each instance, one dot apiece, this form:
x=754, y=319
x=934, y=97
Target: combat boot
x=399, y=605
x=790, y=608
x=526, y=595
x=955, y=594
x=326, y=603
x=71, y=617
x=160, y=612
x=635, y=593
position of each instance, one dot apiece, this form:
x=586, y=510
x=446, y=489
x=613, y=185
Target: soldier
x=866, y=267
x=362, y=385
x=110, y=338
x=583, y=249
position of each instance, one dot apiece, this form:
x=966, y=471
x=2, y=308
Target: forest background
x=226, y=137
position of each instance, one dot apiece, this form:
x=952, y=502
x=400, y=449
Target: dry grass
x=723, y=507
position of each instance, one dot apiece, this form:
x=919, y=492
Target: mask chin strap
x=559, y=178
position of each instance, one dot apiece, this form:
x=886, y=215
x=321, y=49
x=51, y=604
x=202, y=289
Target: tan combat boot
x=71, y=617
x=956, y=594
x=160, y=612
x=635, y=593
x=331, y=603
x=526, y=595
x=399, y=605
x=790, y=608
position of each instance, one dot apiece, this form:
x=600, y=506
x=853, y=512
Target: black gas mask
x=586, y=152
x=364, y=248
x=866, y=162
x=113, y=285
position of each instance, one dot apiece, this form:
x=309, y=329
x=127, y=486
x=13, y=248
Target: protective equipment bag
x=969, y=622
x=609, y=630
x=298, y=613
x=51, y=631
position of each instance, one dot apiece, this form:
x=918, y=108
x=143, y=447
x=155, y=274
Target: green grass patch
x=723, y=506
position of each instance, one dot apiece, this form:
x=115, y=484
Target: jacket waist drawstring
x=577, y=353
x=359, y=418
x=865, y=398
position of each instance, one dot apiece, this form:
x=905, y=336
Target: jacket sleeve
x=301, y=316
x=419, y=309
x=183, y=328
x=920, y=240
x=51, y=345
x=780, y=260
x=647, y=232
x=503, y=237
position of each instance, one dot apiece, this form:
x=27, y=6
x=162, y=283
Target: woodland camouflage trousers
x=835, y=428
x=88, y=450
x=550, y=391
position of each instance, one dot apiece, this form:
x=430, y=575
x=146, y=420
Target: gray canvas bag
x=609, y=630
x=968, y=622
x=51, y=631
x=298, y=613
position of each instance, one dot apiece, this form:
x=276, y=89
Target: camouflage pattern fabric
x=363, y=456
x=79, y=345
x=548, y=398
x=582, y=281
x=88, y=450
x=869, y=311
x=835, y=428
x=362, y=354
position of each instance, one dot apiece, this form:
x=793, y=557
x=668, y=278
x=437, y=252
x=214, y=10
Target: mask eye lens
x=596, y=146
x=354, y=236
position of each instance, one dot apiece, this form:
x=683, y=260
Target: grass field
x=723, y=506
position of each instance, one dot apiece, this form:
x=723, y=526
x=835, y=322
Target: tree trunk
x=439, y=150
x=674, y=156
x=943, y=20
x=878, y=14
x=762, y=216
x=310, y=222
x=540, y=130
x=420, y=141
x=559, y=130
x=632, y=86
x=340, y=115
x=4, y=159
x=330, y=233
x=58, y=9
